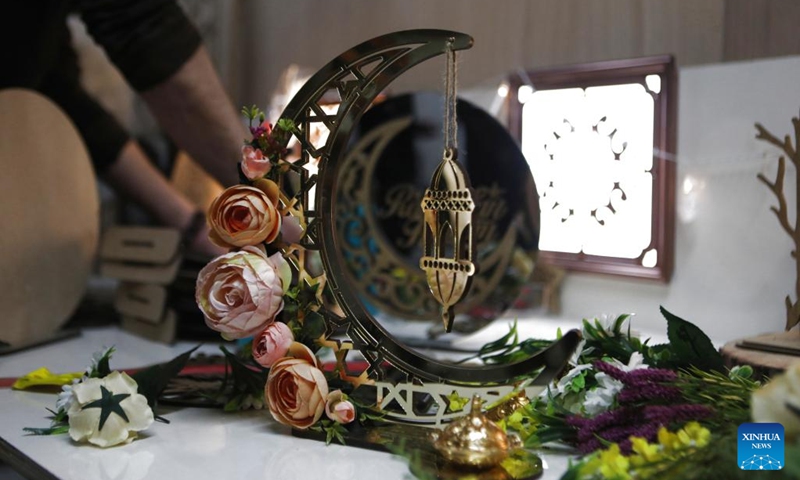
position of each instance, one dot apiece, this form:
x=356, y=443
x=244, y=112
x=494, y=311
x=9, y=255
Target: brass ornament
x=447, y=207
x=509, y=406
x=474, y=441
x=378, y=269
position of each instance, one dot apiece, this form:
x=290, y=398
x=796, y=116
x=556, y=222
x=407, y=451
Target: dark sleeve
x=103, y=135
x=148, y=40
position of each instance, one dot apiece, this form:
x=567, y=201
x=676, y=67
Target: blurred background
x=737, y=63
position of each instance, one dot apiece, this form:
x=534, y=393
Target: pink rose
x=243, y=215
x=296, y=392
x=338, y=408
x=254, y=164
x=241, y=292
x=272, y=343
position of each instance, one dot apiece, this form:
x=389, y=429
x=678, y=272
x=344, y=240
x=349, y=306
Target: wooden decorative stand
x=768, y=354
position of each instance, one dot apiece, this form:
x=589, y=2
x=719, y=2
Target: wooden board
x=766, y=363
x=49, y=215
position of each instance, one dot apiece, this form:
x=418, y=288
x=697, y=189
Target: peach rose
x=338, y=408
x=241, y=292
x=244, y=215
x=296, y=392
x=254, y=164
x=272, y=344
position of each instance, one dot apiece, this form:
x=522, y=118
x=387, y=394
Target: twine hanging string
x=450, y=120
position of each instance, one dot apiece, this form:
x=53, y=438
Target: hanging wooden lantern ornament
x=447, y=207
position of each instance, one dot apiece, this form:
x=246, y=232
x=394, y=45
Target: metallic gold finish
x=505, y=409
x=474, y=441
x=447, y=206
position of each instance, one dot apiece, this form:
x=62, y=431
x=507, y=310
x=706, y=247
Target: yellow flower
x=609, y=463
x=590, y=466
x=614, y=465
x=694, y=435
x=668, y=440
x=647, y=452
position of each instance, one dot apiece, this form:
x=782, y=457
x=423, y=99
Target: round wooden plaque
x=49, y=214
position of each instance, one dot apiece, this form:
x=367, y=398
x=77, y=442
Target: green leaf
x=103, y=367
x=108, y=404
x=245, y=378
x=578, y=383
x=690, y=345
x=792, y=456
x=152, y=381
x=58, y=430
x=313, y=326
x=503, y=342
x=233, y=404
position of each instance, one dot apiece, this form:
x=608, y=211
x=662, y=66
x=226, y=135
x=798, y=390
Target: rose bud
x=272, y=344
x=338, y=408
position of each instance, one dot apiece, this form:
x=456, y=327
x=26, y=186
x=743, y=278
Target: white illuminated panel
x=591, y=152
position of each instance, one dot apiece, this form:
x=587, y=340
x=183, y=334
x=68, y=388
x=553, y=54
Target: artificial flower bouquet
x=632, y=410
x=254, y=292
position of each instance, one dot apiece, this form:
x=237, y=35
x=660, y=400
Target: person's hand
x=202, y=245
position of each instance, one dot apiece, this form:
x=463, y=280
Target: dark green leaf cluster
x=243, y=378
x=332, y=430
x=253, y=113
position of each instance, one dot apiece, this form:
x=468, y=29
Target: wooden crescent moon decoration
x=357, y=77
x=50, y=217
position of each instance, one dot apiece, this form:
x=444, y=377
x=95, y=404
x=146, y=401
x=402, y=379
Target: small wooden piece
x=140, y=244
x=141, y=254
x=143, y=301
x=163, y=331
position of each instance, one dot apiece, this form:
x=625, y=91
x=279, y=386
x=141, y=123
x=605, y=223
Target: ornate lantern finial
x=447, y=259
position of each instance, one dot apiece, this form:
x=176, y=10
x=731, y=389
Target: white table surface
x=197, y=444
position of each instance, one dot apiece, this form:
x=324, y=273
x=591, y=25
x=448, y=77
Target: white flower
x=563, y=386
x=115, y=396
x=636, y=362
x=65, y=396
x=601, y=398
x=96, y=357
x=575, y=358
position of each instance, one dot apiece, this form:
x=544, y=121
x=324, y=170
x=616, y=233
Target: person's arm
x=160, y=53
x=195, y=111
x=133, y=176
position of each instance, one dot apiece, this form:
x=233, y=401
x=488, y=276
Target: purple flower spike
x=647, y=391
x=644, y=375
x=610, y=370
x=666, y=414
